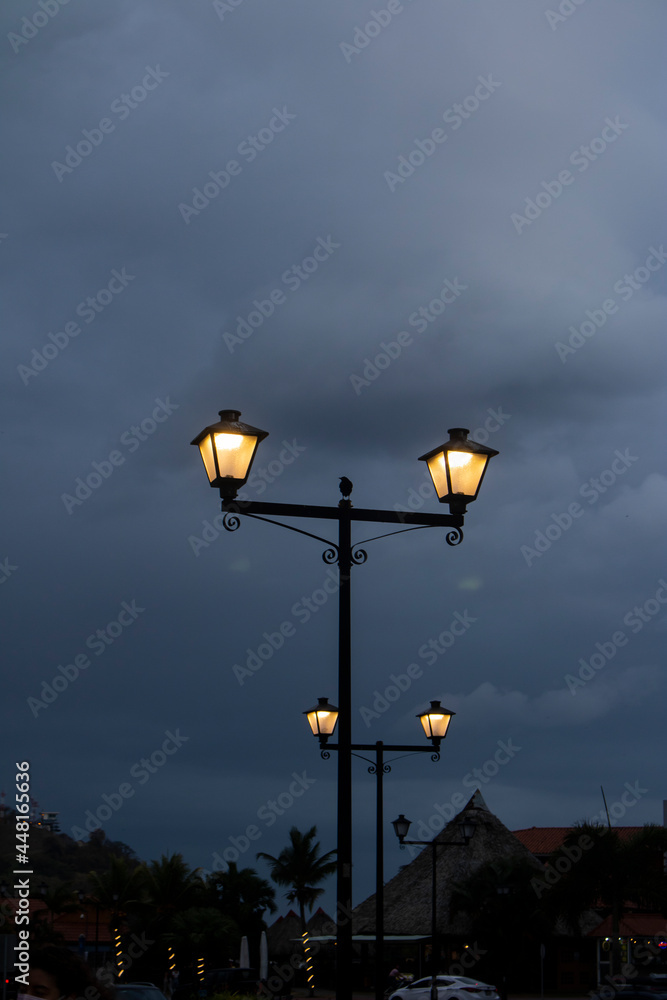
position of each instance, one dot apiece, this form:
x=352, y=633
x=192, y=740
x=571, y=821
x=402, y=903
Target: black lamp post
x=467, y=830
x=435, y=720
x=457, y=468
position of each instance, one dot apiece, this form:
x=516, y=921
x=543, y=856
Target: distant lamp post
x=505, y=890
x=228, y=449
x=401, y=827
x=457, y=469
x=466, y=829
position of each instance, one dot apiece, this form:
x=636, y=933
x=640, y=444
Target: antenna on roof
x=605, y=807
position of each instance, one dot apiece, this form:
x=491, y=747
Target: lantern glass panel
x=234, y=453
x=436, y=723
x=466, y=471
x=322, y=722
x=206, y=450
x=401, y=826
x=438, y=470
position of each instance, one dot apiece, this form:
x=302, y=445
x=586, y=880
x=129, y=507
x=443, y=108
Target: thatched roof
x=284, y=935
x=281, y=934
x=320, y=923
x=407, y=897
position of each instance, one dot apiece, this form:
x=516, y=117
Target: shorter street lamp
x=435, y=721
x=467, y=830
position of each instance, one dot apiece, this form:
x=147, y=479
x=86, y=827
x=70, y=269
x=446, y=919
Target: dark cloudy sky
x=498, y=166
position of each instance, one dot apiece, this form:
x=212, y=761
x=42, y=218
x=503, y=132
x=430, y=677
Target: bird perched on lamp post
x=345, y=487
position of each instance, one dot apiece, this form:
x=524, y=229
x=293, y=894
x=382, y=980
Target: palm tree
x=171, y=885
x=118, y=890
x=170, y=888
x=243, y=896
x=202, y=933
x=302, y=868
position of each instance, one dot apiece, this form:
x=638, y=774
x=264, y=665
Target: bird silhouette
x=345, y=486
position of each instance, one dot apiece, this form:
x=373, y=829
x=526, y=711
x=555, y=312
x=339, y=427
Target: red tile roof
x=546, y=839
x=70, y=925
x=634, y=925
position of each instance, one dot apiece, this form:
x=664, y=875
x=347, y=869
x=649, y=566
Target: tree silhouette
x=301, y=867
x=243, y=896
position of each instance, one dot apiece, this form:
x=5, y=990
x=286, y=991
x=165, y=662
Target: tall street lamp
x=457, y=468
x=435, y=720
x=466, y=829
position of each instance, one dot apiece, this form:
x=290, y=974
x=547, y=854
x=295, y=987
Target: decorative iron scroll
x=231, y=521
x=359, y=556
x=454, y=537
x=386, y=769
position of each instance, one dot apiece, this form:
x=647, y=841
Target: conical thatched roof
x=320, y=923
x=281, y=934
x=407, y=897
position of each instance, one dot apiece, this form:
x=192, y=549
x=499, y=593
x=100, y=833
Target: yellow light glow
x=436, y=723
x=233, y=452
x=228, y=441
x=322, y=722
x=457, y=459
x=465, y=471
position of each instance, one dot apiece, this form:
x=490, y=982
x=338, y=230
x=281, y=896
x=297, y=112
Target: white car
x=449, y=988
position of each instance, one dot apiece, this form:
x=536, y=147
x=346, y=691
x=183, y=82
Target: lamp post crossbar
x=343, y=512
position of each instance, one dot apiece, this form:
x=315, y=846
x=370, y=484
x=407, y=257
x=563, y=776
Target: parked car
x=449, y=988
x=217, y=981
x=137, y=991
x=642, y=993
x=639, y=992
